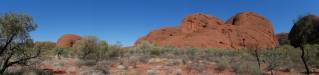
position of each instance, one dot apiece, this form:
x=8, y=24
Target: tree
x=305, y=31
x=16, y=46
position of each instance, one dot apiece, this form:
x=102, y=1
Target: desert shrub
x=254, y=70
x=288, y=59
x=146, y=45
x=64, y=52
x=196, y=67
x=91, y=48
x=149, y=48
x=156, y=52
x=221, y=65
x=115, y=50
x=142, y=52
x=217, y=54
x=146, y=50
x=212, y=54
x=106, y=51
x=290, y=53
x=102, y=51
x=48, y=49
x=312, y=55
x=169, y=52
x=86, y=47
x=273, y=58
x=248, y=68
x=235, y=66
x=191, y=53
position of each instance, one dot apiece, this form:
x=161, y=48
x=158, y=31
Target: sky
x=124, y=21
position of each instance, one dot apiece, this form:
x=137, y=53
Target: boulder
x=246, y=29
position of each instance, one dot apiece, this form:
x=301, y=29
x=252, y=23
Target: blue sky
x=125, y=21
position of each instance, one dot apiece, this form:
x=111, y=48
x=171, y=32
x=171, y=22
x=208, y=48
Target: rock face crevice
x=246, y=29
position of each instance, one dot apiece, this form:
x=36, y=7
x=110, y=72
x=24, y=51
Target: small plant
x=235, y=67
x=221, y=66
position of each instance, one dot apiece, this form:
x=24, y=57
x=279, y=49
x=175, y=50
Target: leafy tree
x=305, y=31
x=16, y=46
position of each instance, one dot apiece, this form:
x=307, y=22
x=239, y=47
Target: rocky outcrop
x=245, y=29
x=197, y=22
x=67, y=40
x=282, y=38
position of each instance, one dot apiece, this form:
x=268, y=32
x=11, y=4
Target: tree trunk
x=257, y=57
x=304, y=60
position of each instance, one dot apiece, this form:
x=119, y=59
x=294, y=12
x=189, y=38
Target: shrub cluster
x=241, y=61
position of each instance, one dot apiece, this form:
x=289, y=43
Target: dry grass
x=242, y=61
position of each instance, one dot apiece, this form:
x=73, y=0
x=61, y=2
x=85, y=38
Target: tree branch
x=5, y=64
x=25, y=59
x=7, y=44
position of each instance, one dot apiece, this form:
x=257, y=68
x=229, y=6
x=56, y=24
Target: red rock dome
x=67, y=40
x=245, y=29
